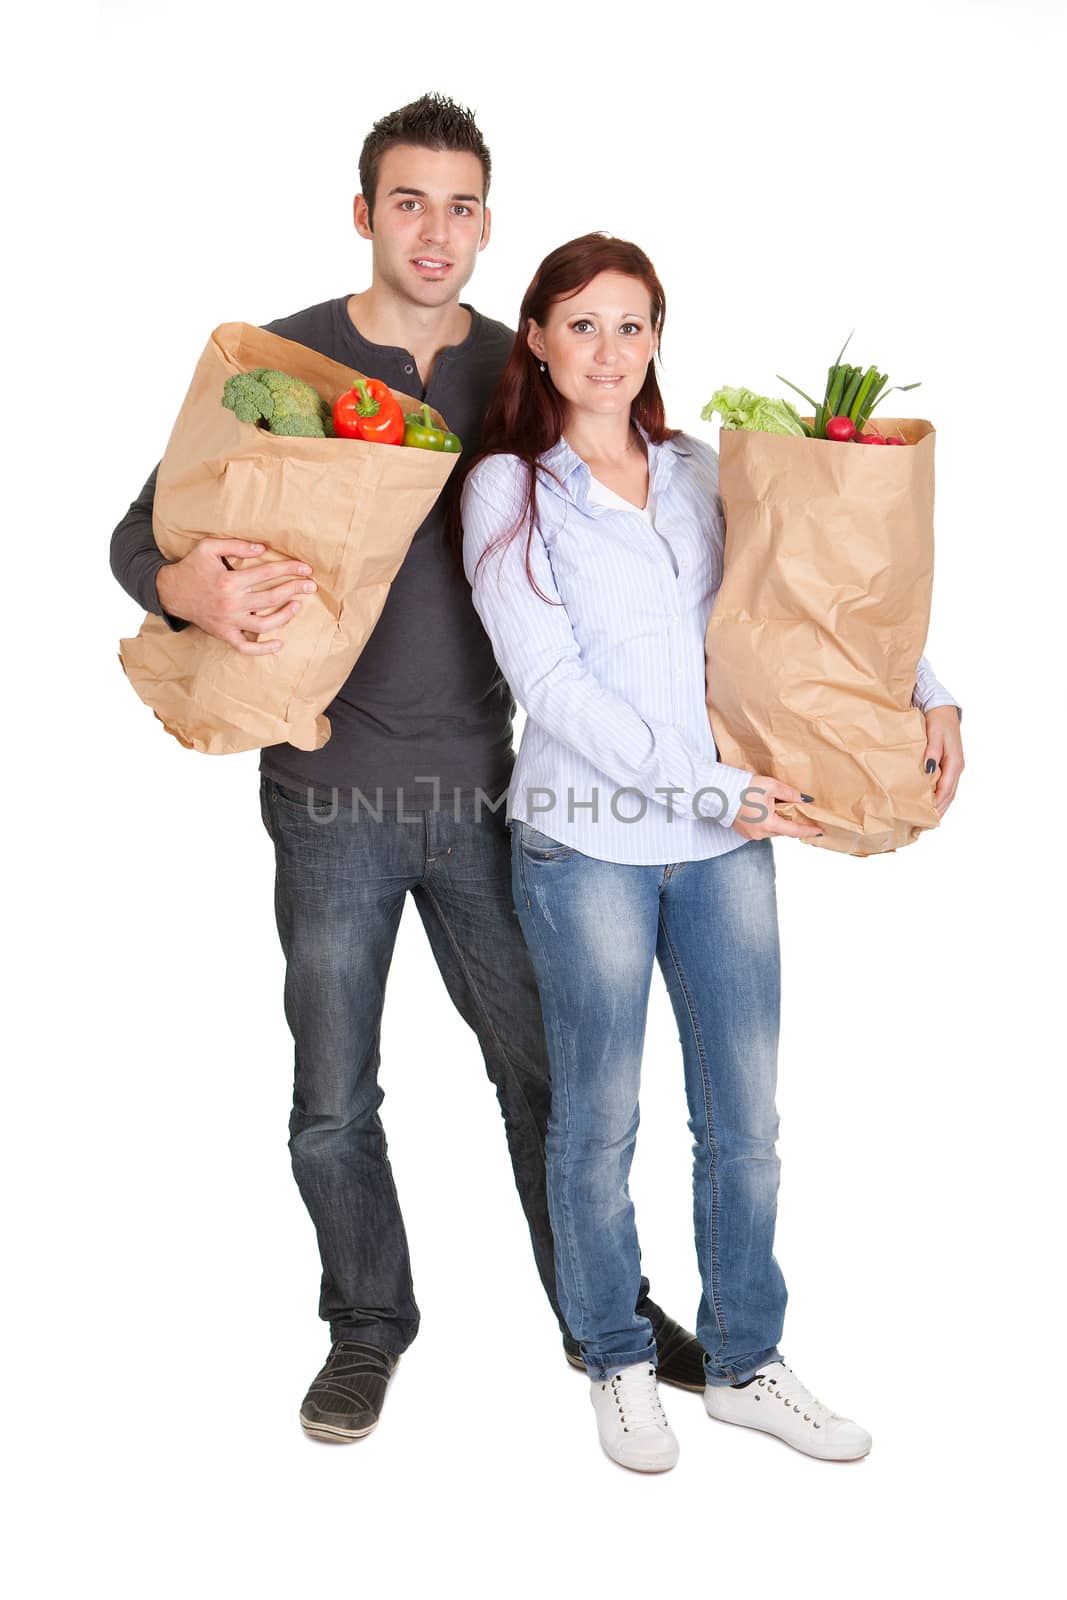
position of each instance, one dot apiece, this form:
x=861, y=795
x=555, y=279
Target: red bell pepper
x=370, y=411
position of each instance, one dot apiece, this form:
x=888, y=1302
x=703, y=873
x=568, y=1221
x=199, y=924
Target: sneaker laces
x=793, y=1393
x=637, y=1398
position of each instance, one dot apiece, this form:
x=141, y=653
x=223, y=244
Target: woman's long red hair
x=526, y=414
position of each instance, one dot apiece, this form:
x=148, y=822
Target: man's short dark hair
x=433, y=122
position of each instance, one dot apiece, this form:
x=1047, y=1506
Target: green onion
x=852, y=389
x=861, y=398
x=814, y=404
x=835, y=389
x=899, y=387
x=871, y=401
x=850, y=392
x=842, y=350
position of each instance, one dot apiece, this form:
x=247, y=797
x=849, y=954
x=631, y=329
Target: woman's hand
x=944, y=747
x=772, y=825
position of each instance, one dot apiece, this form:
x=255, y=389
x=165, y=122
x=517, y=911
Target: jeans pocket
x=290, y=801
x=539, y=847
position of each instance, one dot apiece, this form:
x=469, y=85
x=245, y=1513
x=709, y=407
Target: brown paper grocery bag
x=819, y=624
x=348, y=508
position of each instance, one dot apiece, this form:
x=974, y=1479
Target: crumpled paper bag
x=348, y=508
x=818, y=626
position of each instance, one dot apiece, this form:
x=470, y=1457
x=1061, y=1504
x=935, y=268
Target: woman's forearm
x=929, y=692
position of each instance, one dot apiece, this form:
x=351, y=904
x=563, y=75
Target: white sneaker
x=631, y=1421
x=777, y=1402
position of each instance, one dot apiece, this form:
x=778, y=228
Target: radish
x=842, y=429
x=870, y=438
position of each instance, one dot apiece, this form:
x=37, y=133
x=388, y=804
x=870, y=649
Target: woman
x=593, y=541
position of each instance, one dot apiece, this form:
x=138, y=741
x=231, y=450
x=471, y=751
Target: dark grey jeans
x=340, y=886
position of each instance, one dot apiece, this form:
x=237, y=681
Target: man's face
x=429, y=222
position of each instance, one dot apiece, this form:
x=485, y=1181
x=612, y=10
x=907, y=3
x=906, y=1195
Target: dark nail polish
x=931, y=764
x=808, y=798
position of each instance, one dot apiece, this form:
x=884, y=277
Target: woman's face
x=597, y=344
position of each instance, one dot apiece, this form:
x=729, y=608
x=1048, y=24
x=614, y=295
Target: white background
x=794, y=172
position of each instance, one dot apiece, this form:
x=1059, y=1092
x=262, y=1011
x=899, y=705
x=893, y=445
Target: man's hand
x=201, y=588
x=944, y=748
x=770, y=790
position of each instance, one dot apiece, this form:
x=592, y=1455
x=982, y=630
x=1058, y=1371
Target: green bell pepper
x=421, y=431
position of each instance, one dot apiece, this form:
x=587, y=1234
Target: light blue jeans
x=594, y=930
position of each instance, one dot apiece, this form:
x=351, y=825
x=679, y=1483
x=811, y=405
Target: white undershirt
x=600, y=494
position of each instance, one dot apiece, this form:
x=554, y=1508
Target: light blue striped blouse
x=617, y=757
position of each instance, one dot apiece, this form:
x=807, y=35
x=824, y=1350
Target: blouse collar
x=573, y=473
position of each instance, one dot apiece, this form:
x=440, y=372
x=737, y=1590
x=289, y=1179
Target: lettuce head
x=740, y=408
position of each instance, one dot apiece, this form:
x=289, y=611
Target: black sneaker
x=345, y=1400
x=680, y=1355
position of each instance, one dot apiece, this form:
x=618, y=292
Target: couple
x=545, y=939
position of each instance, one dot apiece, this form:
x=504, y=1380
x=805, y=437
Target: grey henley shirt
x=425, y=714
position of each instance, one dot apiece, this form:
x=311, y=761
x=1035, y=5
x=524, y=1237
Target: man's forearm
x=136, y=558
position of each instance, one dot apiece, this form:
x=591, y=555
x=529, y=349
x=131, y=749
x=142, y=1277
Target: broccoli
x=287, y=405
x=247, y=398
x=298, y=427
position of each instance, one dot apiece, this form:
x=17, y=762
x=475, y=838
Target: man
x=408, y=793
